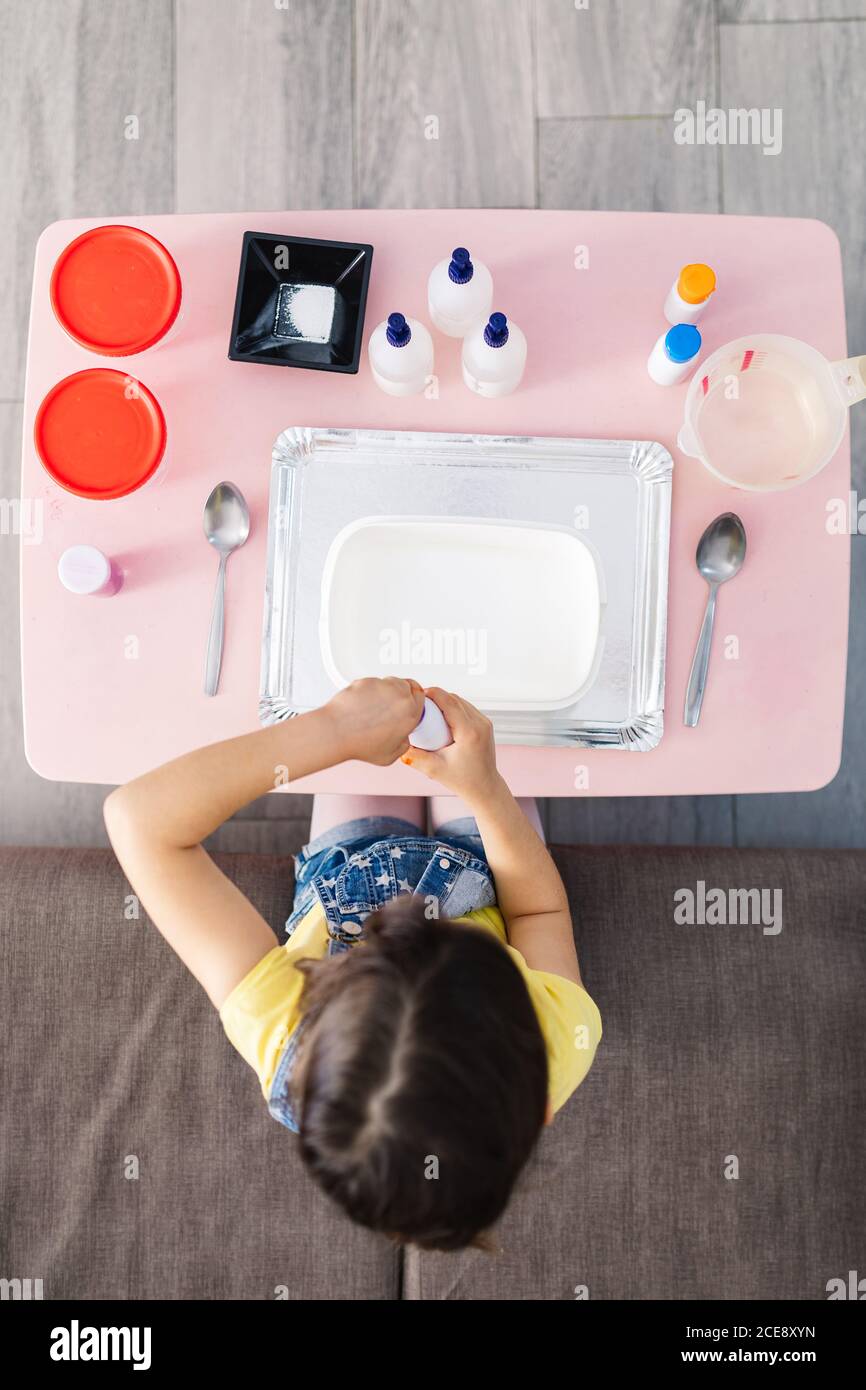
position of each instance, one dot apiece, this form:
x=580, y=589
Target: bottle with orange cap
x=690, y=294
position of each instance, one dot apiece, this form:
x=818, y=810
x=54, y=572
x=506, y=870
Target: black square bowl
x=325, y=281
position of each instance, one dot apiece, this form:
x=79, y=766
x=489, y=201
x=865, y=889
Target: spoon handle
x=700, y=663
x=217, y=632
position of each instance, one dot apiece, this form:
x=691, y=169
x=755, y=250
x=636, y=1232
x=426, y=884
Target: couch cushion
x=113, y=1056
x=718, y=1041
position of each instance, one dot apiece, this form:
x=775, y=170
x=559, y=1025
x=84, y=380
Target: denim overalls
x=353, y=869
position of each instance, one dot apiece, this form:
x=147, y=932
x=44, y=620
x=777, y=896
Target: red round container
x=100, y=434
x=115, y=290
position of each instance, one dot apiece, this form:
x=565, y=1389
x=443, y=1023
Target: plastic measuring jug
x=767, y=412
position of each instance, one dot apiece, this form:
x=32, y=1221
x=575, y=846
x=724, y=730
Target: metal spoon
x=226, y=525
x=720, y=554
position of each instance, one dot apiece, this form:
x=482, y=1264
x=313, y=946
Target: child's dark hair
x=422, y=1077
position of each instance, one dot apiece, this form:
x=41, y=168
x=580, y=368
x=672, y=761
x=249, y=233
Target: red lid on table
x=115, y=290
x=100, y=433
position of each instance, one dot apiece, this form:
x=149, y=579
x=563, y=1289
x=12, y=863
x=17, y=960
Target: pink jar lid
x=84, y=570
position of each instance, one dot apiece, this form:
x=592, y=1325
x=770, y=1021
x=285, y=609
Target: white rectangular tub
x=508, y=614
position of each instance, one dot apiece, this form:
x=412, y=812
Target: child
x=419, y=1068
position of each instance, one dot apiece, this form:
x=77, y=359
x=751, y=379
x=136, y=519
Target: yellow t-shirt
x=262, y=1011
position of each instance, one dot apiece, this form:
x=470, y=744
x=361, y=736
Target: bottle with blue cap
x=459, y=293
x=675, y=354
x=494, y=356
x=401, y=356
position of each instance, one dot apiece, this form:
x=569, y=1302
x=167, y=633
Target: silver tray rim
x=648, y=460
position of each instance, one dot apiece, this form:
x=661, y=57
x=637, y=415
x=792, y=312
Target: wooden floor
x=303, y=103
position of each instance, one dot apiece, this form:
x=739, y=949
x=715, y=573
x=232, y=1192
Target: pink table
x=114, y=686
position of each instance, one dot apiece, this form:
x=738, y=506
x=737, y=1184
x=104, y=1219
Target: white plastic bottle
x=673, y=357
x=459, y=293
x=690, y=293
x=401, y=356
x=431, y=731
x=494, y=356
x=83, y=569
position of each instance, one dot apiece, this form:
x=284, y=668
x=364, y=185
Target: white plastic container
x=767, y=412
x=459, y=293
x=401, y=356
x=674, y=356
x=494, y=357
x=507, y=613
x=690, y=293
x=85, y=570
x=431, y=732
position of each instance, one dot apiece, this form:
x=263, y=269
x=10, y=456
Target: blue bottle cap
x=398, y=331
x=496, y=332
x=682, y=342
x=461, y=268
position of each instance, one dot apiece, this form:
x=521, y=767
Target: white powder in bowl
x=305, y=313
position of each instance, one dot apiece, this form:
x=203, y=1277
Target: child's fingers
x=470, y=711
x=422, y=760
x=450, y=706
x=416, y=691
x=413, y=685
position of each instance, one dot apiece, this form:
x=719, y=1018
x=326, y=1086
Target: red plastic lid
x=100, y=433
x=115, y=290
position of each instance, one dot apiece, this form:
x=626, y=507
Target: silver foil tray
x=616, y=493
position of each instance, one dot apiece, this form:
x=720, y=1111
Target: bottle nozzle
x=398, y=331
x=461, y=268
x=496, y=332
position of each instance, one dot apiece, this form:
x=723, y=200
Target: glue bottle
x=690, y=293
x=494, y=356
x=459, y=293
x=673, y=357
x=401, y=356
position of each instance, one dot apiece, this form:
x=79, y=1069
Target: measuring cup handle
x=851, y=376
x=687, y=441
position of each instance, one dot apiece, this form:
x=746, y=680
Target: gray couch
x=138, y=1159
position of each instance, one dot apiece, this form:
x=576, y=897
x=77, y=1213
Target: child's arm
x=156, y=823
x=529, y=890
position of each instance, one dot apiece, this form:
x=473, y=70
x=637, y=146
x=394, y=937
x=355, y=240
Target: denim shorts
x=355, y=868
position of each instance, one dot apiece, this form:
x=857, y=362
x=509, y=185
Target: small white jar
x=690, y=293
x=674, y=356
x=494, y=357
x=85, y=570
x=459, y=294
x=401, y=356
x=431, y=732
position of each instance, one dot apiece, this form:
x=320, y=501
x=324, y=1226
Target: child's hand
x=467, y=767
x=371, y=718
